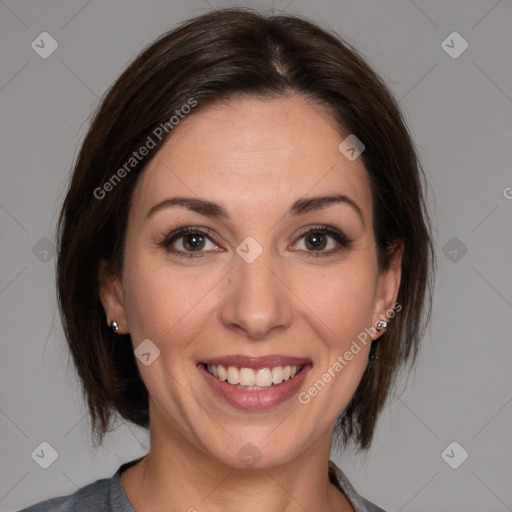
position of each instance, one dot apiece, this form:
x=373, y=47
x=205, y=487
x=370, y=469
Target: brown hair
x=216, y=57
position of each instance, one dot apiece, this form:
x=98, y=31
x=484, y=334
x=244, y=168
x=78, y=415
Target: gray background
x=459, y=112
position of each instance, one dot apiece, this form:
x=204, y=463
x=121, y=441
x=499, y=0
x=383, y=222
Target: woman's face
x=277, y=268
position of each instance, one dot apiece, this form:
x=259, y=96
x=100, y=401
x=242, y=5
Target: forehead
x=253, y=153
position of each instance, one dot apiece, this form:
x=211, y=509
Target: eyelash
x=343, y=241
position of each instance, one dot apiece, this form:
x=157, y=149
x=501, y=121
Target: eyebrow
x=211, y=209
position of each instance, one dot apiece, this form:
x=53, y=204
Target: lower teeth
x=250, y=388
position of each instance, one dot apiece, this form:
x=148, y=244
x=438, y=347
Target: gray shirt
x=107, y=495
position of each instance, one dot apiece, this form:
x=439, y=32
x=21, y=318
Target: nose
x=257, y=301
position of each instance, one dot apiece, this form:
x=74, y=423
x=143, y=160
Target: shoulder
x=93, y=497
x=105, y=495
x=371, y=507
x=359, y=503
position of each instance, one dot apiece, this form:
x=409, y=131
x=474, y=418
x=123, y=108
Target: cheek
x=342, y=298
x=162, y=305
x=341, y=305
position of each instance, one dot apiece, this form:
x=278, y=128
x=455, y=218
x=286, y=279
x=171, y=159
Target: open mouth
x=249, y=379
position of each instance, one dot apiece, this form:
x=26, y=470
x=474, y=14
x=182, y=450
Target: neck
x=178, y=475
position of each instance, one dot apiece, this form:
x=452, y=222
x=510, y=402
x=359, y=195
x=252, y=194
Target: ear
x=388, y=285
x=111, y=296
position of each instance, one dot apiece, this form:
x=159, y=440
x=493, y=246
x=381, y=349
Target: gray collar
x=119, y=501
x=339, y=479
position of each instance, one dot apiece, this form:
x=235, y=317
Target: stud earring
x=113, y=325
x=381, y=325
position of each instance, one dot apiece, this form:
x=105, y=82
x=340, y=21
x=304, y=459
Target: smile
x=269, y=383
x=249, y=379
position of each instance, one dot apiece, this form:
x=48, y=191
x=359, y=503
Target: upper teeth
x=264, y=377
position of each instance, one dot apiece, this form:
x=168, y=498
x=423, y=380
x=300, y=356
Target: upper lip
x=257, y=362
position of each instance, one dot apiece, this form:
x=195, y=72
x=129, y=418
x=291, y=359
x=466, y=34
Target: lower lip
x=255, y=400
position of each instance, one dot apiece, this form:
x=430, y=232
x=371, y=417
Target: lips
x=257, y=362
x=253, y=398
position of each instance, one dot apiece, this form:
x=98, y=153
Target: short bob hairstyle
x=222, y=55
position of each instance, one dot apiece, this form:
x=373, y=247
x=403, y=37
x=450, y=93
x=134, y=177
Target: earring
x=381, y=325
x=113, y=325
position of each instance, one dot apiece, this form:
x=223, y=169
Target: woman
x=245, y=263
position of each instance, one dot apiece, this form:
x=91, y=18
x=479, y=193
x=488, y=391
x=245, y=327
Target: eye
x=189, y=242
x=322, y=240
x=194, y=241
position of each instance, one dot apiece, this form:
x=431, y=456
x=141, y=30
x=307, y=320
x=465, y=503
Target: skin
x=255, y=157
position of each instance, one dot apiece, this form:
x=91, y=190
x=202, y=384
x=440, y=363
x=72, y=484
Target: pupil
x=194, y=242
x=316, y=241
